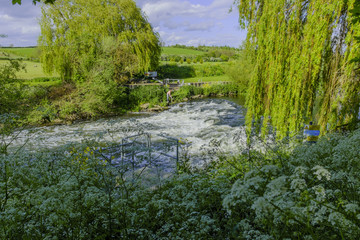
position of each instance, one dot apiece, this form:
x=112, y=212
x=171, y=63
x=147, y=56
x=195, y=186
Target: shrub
x=155, y=95
x=72, y=193
x=44, y=112
x=10, y=87
x=311, y=195
x=187, y=207
x=173, y=70
x=208, y=70
x=220, y=89
x=240, y=71
x=186, y=92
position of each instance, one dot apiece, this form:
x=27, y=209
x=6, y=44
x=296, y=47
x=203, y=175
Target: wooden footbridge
x=174, y=83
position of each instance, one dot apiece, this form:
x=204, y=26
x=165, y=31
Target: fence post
x=122, y=152
x=177, y=156
x=149, y=145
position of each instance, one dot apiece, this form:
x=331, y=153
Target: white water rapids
x=198, y=123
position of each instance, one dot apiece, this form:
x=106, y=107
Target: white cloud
x=173, y=37
x=5, y=18
x=30, y=29
x=163, y=10
x=202, y=26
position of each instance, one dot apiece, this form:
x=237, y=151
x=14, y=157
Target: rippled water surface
x=197, y=122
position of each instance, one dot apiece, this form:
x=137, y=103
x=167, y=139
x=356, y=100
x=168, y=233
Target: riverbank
x=65, y=104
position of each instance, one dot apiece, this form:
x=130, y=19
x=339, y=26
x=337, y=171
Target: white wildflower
x=335, y=218
x=300, y=171
x=352, y=208
x=319, y=192
x=298, y=185
x=321, y=172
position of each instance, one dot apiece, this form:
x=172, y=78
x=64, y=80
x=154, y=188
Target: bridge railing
x=144, y=151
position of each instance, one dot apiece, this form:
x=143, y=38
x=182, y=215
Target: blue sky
x=188, y=22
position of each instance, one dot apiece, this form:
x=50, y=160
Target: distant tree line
x=204, y=48
x=34, y=1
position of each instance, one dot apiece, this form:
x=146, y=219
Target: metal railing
x=136, y=149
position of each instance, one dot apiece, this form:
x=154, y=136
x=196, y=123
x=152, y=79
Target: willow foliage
x=73, y=33
x=302, y=51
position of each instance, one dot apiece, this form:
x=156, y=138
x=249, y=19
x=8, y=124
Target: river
x=200, y=124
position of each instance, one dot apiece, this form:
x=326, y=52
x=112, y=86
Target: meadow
x=26, y=52
x=180, y=51
x=33, y=70
x=222, y=78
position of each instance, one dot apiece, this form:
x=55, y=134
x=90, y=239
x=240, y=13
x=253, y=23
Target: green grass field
x=180, y=51
x=222, y=78
x=30, y=52
x=33, y=70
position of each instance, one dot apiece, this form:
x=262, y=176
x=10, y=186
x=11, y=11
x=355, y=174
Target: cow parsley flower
x=300, y=171
x=321, y=172
x=319, y=192
x=352, y=208
x=298, y=185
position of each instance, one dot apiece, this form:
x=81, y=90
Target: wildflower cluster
x=313, y=195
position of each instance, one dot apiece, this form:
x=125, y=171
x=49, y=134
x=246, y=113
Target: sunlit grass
x=222, y=78
x=33, y=70
x=30, y=52
x=180, y=51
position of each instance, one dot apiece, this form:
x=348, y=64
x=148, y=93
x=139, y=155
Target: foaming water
x=198, y=123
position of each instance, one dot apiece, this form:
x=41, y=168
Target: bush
x=155, y=95
x=240, y=71
x=220, y=89
x=313, y=194
x=209, y=70
x=188, y=71
x=186, y=92
x=185, y=208
x=70, y=193
x=173, y=70
x=10, y=87
x=44, y=112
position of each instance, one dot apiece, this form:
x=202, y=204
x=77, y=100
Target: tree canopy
x=34, y=1
x=76, y=33
x=302, y=52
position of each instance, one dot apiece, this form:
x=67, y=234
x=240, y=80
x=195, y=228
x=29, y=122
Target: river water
x=199, y=124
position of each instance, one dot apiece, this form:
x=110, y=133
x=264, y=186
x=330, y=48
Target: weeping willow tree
x=302, y=50
x=73, y=33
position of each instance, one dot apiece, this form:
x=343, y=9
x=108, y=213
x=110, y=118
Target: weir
x=195, y=124
x=175, y=83
x=138, y=151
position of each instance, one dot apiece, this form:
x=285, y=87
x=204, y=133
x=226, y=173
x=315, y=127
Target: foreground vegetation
x=73, y=192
